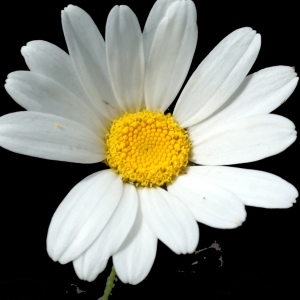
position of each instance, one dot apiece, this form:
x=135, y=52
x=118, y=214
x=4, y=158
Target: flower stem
x=109, y=283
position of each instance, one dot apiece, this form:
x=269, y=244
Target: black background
x=260, y=259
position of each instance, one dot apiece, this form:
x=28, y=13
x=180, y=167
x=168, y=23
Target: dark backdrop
x=259, y=259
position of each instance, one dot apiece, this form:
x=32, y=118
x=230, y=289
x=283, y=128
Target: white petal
x=169, y=219
x=217, y=77
x=156, y=14
x=171, y=55
x=87, y=51
x=259, y=93
x=135, y=257
x=125, y=57
x=39, y=93
x=47, y=59
x=50, y=137
x=209, y=203
x=82, y=215
x=255, y=188
x=93, y=261
x=245, y=140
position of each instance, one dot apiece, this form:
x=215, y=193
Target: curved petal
x=171, y=55
x=82, y=215
x=245, y=140
x=217, y=77
x=169, y=219
x=135, y=257
x=209, y=203
x=254, y=188
x=49, y=60
x=39, y=93
x=259, y=93
x=155, y=16
x=93, y=261
x=88, y=54
x=125, y=57
x=50, y=137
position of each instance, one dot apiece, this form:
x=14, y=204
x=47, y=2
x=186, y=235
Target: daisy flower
x=105, y=102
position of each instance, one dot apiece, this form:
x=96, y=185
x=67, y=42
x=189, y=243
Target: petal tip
x=241, y=218
x=51, y=255
x=294, y=71
x=10, y=75
x=23, y=49
x=69, y=8
x=247, y=30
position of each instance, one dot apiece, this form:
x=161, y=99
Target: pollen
x=147, y=148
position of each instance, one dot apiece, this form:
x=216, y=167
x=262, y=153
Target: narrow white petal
x=47, y=59
x=125, y=57
x=36, y=92
x=210, y=204
x=50, y=137
x=260, y=93
x=87, y=50
x=93, y=261
x=171, y=55
x=82, y=215
x=254, y=188
x=134, y=259
x=156, y=14
x=245, y=140
x=217, y=77
x=169, y=219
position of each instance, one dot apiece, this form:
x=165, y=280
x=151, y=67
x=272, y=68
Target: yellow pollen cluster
x=147, y=148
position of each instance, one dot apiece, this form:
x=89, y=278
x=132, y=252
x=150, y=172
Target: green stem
x=109, y=283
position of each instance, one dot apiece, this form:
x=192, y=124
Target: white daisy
x=105, y=101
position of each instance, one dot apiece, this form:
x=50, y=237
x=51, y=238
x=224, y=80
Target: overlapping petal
x=135, y=257
x=245, y=140
x=259, y=93
x=36, y=92
x=50, y=137
x=49, y=60
x=93, y=261
x=125, y=57
x=254, y=188
x=217, y=77
x=209, y=203
x=169, y=219
x=155, y=16
x=87, y=50
x=171, y=55
x=82, y=215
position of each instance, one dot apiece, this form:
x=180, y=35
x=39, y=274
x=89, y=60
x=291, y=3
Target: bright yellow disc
x=147, y=148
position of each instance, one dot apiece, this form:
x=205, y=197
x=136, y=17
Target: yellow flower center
x=147, y=148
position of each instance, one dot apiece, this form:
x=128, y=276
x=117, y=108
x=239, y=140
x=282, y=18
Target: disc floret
x=147, y=148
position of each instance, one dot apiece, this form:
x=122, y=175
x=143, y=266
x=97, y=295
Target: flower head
x=105, y=101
